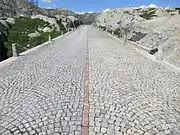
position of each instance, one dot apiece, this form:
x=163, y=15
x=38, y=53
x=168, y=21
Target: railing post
x=159, y=54
x=50, y=39
x=14, y=50
x=112, y=32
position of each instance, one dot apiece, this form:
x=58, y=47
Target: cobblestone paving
x=42, y=93
x=130, y=94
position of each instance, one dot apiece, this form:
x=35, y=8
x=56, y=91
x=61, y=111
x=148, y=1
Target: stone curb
x=165, y=63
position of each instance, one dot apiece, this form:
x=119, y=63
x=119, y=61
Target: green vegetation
x=24, y=26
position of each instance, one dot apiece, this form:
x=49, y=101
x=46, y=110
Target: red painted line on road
x=85, y=124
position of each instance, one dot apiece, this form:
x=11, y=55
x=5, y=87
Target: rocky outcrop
x=155, y=33
x=51, y=21
x=11, y=8
x=117, y=18
x=153, y=28
x=4, y=31
x=33, y=35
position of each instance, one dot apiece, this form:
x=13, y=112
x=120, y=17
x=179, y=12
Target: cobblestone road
x=43, y=92
x=130, y=94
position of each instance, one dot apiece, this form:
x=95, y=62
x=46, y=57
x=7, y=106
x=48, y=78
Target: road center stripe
x=85, y=124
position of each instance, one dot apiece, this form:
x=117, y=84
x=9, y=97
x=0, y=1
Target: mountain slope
x=11, y=8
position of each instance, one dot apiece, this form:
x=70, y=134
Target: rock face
x=117, y=18
x=11, y=8
x=152, y=28
x=4, y=27
x=156, y=35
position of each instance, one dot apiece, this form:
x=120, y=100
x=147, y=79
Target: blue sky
x=100, y=5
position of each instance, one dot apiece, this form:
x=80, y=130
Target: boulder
x=11, y=20
x=52, y=21
x=47, y=29
x=5, y=24
x=33, y=35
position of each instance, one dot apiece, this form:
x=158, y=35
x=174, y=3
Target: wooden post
x=62, y=32
x=14, y=50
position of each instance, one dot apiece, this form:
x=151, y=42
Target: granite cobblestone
x=42, y=92
x=133, y=95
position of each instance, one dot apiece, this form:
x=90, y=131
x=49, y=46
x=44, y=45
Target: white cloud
x=48, y=1
x=149, y=6
x=106, y=10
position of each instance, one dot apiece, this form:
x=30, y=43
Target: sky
x=101, y=5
